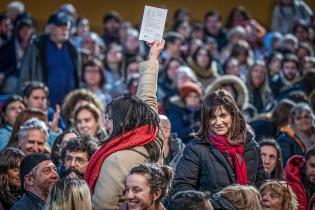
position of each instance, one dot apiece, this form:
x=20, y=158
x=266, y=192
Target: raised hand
x=156, y=48
x=54, y=123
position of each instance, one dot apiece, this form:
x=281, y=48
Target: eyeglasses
x=77, y=160
x=276, y=181
x=280, y=183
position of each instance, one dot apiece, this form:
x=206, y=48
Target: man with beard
x=75, y=156
x=111, y=21
x=38, y=175
x=300, y=175
x=288, y=75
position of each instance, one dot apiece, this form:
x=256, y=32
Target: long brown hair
x=216, y=99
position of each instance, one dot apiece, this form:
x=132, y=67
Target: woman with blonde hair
x=69, y=194
x=278, y=195
x=237, y=197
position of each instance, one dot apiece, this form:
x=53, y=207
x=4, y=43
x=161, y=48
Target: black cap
x=30, y=162
x=59, y=19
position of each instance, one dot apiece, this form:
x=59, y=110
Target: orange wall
x=133, y=9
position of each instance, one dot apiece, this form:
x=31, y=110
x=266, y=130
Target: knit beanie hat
x=189, y=87
x=30, y=162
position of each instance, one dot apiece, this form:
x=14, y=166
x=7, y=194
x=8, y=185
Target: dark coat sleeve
x=187, y=170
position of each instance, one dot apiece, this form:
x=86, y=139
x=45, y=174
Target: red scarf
x=235, y=153
x=137, y=137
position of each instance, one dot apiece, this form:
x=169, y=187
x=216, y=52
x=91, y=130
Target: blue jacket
x=29, y=202
x=5, y=134
x=290, y=145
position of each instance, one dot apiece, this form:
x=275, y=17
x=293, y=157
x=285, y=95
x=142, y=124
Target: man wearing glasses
x=75, y=156
x=38, y=175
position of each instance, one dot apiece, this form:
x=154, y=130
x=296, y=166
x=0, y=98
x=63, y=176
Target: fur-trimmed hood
x=237, y=84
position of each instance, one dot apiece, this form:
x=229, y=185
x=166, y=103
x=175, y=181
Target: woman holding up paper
x=135, y=137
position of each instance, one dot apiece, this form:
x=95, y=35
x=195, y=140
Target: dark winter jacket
x=184, y=121
x=35, y=65
x=290, y=144
x=204, y=168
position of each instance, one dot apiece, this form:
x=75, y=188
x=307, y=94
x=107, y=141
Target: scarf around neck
x=235, y=153
x=136, y=137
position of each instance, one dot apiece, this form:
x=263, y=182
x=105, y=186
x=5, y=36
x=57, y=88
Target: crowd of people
x=213, y=116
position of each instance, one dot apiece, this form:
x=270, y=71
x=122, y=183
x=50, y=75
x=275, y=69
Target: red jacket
x=294, y=178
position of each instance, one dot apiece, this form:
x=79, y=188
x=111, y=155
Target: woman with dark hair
x=94, y=80
x=167, y=80
x=152, y=182
x=134, y=137
x=224, y=152
x=259, y=91
x=239, y=16
x=274, y=63
x=10, y=185
x=205, y=67
x=12, y=106
x=272, y=159
x=243, y=53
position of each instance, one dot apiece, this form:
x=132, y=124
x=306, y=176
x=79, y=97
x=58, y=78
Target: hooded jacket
x=293, y=176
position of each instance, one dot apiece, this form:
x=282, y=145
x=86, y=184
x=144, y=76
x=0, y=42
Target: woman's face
x=83, y=27
x=138, y=193
x=86, y=123
x=185, y=29
x=232, y=68
x=108, y=124
x=221, y=121
x=202, y=58
x=258, y=76
x=269, y=157
x=238, y=18
x=12, y=111
x=92, y=76
x=275, y=66
x=242, y=56
x=192, y=99
x=132, y=43
x=303, y=121
x=14, y=175
x=172, y=69
x=114, y=55
x=271, y=200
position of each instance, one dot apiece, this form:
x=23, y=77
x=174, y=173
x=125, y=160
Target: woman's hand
x=54, y=122
x=156, y=48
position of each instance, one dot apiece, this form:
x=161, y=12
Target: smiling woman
x=10, y=186
x=225, y=151
x=146, y=185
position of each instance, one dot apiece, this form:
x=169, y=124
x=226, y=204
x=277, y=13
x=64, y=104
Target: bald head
x=166, y=125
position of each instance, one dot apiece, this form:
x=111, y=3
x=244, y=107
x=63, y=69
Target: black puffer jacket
x=204, y=168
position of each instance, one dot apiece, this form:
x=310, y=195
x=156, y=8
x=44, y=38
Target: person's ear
x=157, y=194
x=29, y=180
